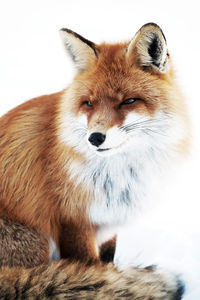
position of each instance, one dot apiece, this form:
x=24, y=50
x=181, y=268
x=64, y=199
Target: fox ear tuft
x=149, y=48
x=81, y=51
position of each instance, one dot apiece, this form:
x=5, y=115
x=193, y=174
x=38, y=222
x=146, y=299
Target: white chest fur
x=118, y=184
x=116, y=191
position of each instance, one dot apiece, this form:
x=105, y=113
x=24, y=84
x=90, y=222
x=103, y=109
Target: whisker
x=81, y=131
x=147, y=130
x=149, y=121
x=135, y=122
x=154, y=131
x=139, y=125
x=149, y=127
x=152, y=123
x=143, y=120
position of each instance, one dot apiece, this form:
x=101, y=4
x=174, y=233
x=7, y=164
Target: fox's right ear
x=82, y=51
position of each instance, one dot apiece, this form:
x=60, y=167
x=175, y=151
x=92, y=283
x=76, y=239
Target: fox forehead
x=111, y=74
x=113, y=79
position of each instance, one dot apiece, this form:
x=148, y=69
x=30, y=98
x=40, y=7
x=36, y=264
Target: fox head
x=123, y=96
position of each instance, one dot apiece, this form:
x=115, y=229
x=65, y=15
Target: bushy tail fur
x=63, y=280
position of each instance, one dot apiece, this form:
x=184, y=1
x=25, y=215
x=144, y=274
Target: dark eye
x=129, y=101
x=88, y=103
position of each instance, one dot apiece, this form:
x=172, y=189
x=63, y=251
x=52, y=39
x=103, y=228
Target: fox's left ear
x=149, y=48
x=81, y=51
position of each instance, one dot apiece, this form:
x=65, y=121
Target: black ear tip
x=152, y=24
x=66, y=30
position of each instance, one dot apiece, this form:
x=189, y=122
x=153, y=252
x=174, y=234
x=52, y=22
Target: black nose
x=97, y=138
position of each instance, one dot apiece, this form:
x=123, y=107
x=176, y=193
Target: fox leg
x=107, y=250
x=79, y=243
x=23, y=246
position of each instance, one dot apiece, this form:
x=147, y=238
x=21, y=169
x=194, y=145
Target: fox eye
x=88, y=103
x=129, y=101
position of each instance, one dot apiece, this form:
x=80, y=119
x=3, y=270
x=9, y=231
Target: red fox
x=76, y=164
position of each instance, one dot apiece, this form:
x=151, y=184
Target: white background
x=33, y=62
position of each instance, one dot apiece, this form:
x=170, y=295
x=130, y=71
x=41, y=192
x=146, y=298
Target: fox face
x=123, y=96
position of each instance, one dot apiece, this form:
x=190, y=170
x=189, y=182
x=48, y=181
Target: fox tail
x=64, y=280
